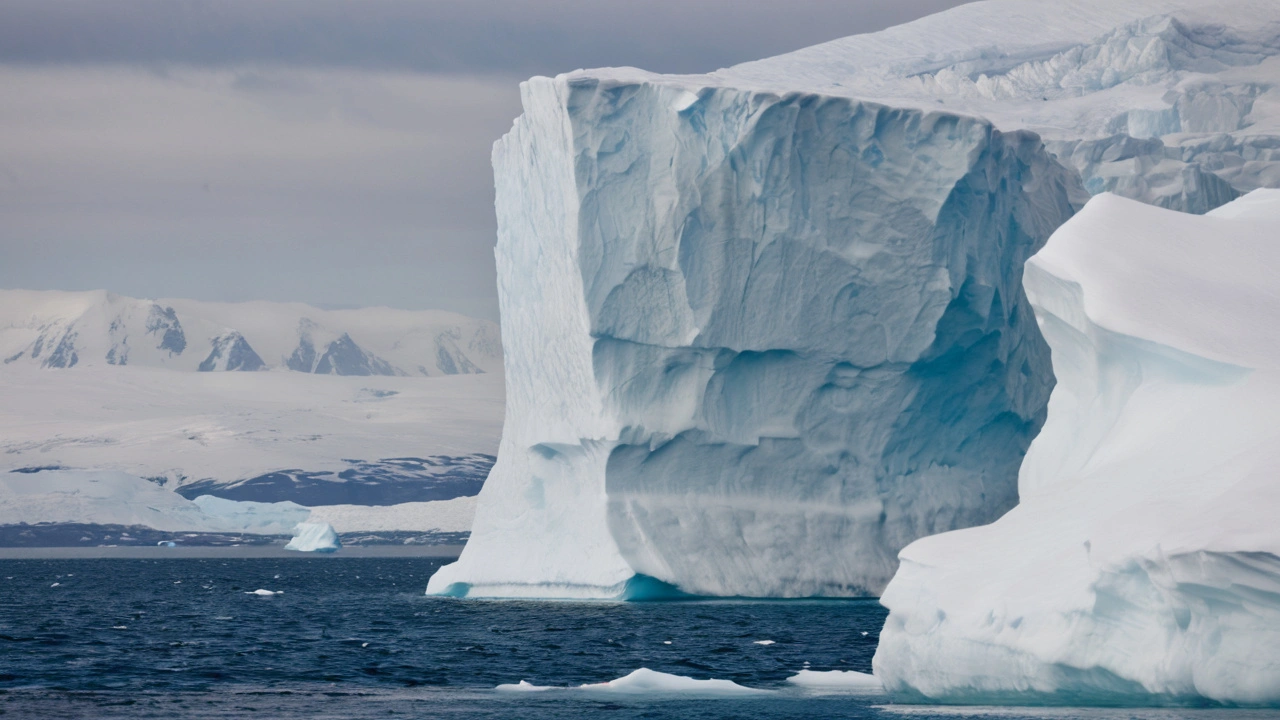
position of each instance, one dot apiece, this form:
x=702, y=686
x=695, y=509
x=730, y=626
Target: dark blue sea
x=357, y=638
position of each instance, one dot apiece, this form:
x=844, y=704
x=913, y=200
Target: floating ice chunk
x=55, y=585
x=119, y=627
x=314, y=537
x=651, y=682
x=837, y=681
x=523, y=686
x=264, y=593
x=166, y=543
x=764, y=642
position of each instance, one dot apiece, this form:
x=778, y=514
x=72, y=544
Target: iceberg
x=764, y=327
x=314, y=537
x=755, y=344
x=1142, y=563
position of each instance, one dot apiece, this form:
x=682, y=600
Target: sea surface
x=355, y=637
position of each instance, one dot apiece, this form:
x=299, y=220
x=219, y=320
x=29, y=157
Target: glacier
x=764, y=327
x=261, y=436
x=1142, y=563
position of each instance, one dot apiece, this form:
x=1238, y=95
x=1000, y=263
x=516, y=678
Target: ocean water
x=356, y=638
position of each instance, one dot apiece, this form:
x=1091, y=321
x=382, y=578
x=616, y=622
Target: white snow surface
x=55, y=329
x=1142, y=564
x=183, y=427
x=650, y=682
x=314, y=537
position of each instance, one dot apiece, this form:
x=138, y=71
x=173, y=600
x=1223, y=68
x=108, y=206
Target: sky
x=323, y=151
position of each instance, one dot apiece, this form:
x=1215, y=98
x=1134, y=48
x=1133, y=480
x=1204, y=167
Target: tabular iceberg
x=755, y=344
x=764, y=327
x=1142, y=564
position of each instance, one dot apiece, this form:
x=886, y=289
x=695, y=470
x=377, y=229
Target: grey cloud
x=328, y=152
x=517, y=37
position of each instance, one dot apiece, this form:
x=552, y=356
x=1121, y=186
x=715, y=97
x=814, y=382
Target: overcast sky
x=335, y=153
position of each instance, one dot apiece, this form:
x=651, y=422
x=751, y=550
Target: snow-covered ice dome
x=1142, y=564
x=764, y=327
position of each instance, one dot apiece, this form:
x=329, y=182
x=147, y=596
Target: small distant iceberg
x=650, y=682
x=167, y=543
x=264, y=593
x=314, y=537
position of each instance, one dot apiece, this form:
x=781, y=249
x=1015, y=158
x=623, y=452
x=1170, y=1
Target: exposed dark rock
x=164, y=322
x=235, y=350
x=64, y=355
x=345, y=357
x=388, y=481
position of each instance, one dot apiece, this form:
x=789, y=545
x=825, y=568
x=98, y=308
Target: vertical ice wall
x=755, y=343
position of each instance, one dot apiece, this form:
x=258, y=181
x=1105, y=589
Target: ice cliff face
x=764, y=326
x=755, y=343
x=1142, y=564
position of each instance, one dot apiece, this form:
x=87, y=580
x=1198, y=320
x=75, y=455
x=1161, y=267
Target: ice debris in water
x=837, y=681
x=264, y=593
x=523, y=686
x=764, y=642
x=649, y=682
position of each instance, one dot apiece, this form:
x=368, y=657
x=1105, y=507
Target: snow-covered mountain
x=53, y=329
x=1142, y=564
x=766, y=326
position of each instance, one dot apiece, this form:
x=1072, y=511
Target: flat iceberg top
x=1057, y=67
x=993, y=32
x=1205, y=285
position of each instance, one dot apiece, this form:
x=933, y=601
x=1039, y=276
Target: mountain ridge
x=57, y=329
